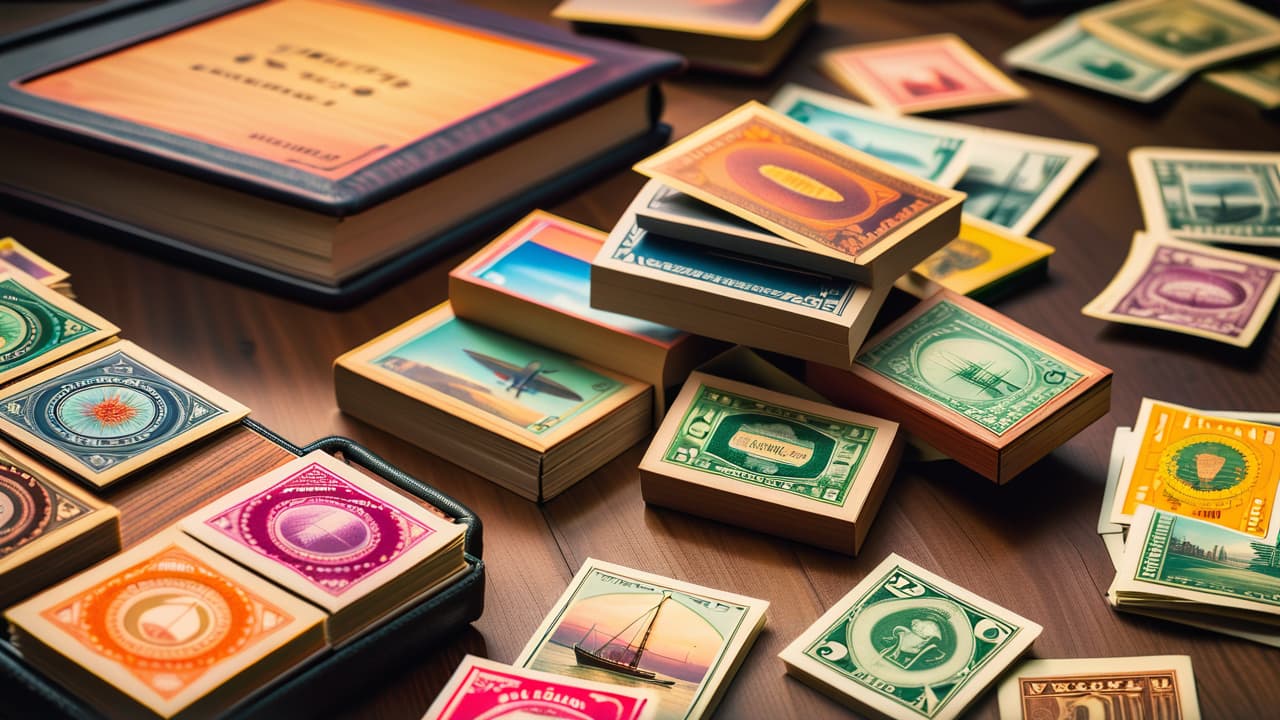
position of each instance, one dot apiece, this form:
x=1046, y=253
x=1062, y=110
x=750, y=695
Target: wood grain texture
x=1029, y=546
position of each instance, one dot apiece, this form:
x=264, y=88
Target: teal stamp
x=1219, y=198
x=912, y=642
x=31, y=327
x=760, y=443
x=1189, y=554
x=971, y=366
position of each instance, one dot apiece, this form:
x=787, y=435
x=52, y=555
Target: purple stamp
x=322, y=526
x=1193, y=289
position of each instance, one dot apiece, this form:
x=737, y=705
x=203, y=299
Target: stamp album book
x=328, y=137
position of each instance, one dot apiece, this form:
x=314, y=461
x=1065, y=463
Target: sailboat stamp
x=632, y=628
x=909, y=644
x=1209, y=194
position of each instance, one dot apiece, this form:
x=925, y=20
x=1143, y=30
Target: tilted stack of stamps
x=1141, y=50
x=781, y=237
x=1189, y=519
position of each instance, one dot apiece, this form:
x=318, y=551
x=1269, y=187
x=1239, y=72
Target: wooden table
x=1029, y=546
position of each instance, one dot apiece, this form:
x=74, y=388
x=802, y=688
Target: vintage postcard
x=482, y=688
x=807, y=188
x=514, y=388
x=1215, y=195
x=1258, y=80
x=1067, y=52
x=1184, y=34
x=984, y=256
x=626, y=627
x=109, y=412
x=15, y=255
x=169, y=621
x=1153, y=686
x=1191, y=289
x=921, y=148
x=1173, y=561
x=920, y=74
x=324, y=530
x=1217, y=469
x=545, y=259
x=959, y=357
x=765, y=445
x=39, y=326
x=906, y=643
x=744, y=19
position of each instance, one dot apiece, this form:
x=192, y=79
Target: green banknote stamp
x=1191, y=554
x=970, y=366
x=748, y=440
x=1220, y=197
x=1187, y=28
x=912, y=642
x=31, y=327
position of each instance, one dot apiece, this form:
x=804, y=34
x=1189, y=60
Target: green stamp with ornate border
x=971, y=366
x=910, y=641
x=749, y=440
x=30, y=326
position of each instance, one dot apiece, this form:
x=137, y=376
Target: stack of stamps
x=18, y=259
x=482, y=688
x=771, y=462
x=1192, y=289
x=972, y=383
x=39, y=326
x=920, y=75
x=107, y=413
x=731, y=297
x=335, y=537
x=167, y=629
x=909, y=645
x=1154, y=686
x=534, y=282
x=1140, y=50
x=1220, y=467
x=49, y=529
x=528, y=418
x=633, y=629
x=823, y=205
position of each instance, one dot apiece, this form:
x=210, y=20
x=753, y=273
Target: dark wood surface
x=1029, y=546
